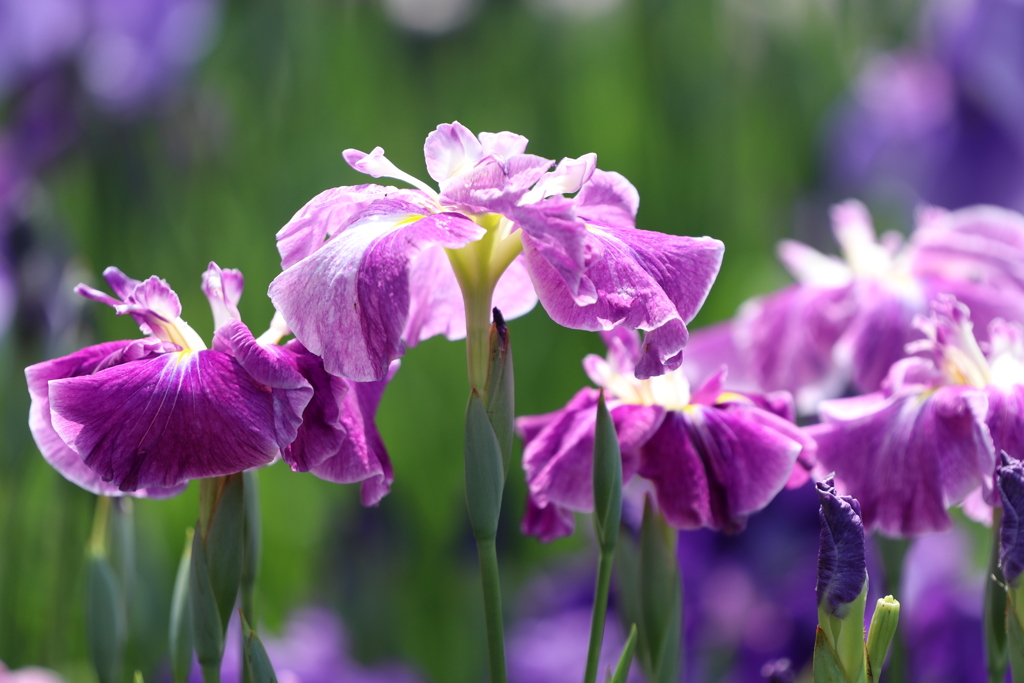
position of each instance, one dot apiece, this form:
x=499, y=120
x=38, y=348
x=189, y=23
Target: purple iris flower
x=848, y=320
x=396, y=266
x=928, y=438
x=842, y=568
x=29, y=674
x=144, y=416
x=941, y=122
x=713, y=457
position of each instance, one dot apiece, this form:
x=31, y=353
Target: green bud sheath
x=485, y=470
x=106, y=620
x=661, y=598
x=827, y=668
x=180, y=631
x=881, y=634
x=607, y=479
x=499, y=398
x=256, y=655
x=996, y=638
x=1015, y=632
x=207, y=626
x=626, y=658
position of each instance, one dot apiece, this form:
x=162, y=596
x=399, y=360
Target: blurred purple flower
x=928, y=439
x=29, y=674
x=312, y=649
x=714, y=457
x=943, y=120
x=398, y=265
x=941, y=610
x=147, y=415
x=848, y=320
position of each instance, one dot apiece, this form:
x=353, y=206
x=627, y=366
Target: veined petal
x=273, y=367
x=503, y=144
x=1005, y=419
x=559, y=458
x=556, y=249
x=436, y=305
x=607, y=199
x=714, y=467
x=51, y=446
x=223, y=288
x=909, y=456
x=494, y=184
x=451, y=149
x=361, y=455
x=569, y=176
x=323, y=216
x=644, y=280
x=349, y=301
x=165, y=420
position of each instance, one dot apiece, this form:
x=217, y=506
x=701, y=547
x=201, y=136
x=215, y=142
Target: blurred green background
x=714, y=109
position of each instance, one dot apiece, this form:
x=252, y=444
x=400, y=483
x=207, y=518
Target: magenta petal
x=644, y=280
x=878, y=333
x=361, y=455
x=1005, y=419
x=51, y=446
x=559, y=459
x=165, y=420
x=223, y=289
x=503, y=144
x=273, y=367
x=547, y=523
x=608, y=200
x=714, y=467
x=349, y=301
x=907, y=457
x=494, y=184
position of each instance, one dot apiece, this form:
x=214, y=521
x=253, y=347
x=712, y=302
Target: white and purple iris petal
x=909, y=451
x=365, y=272
x=151, y=414
x=713, y=457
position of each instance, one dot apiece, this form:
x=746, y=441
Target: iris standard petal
x=162, y=421
x=348, y=302
x=494, y=184
x=559, y=458
x=715, y=466
x=361, y=455
x=643, y=280
x=907, y=456
x=51, y=446
x=451, y=149
x=223, y=289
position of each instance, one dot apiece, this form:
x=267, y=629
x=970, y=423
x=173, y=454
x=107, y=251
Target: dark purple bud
x=841, y=566
x=1010, y=482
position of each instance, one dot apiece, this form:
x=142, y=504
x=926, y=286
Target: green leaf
x=995, y=608
x=485, y=470
x=607, y=479
x=253, y=524
x=626, y=659
x=499, y=398
x=661, y=597
x=180, y=632
x=224, y=546
x=106, y=620
x=827, y=668
x=256, y=655
x=1015, y=642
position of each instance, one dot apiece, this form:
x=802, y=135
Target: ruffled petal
x=274, y=368
x=494, y=184
x=908, y=456
x=349, y=301
x=714, y=467
x=556, y=249
x=361, y=455
x=451, y=149
x=51, y=446
x=547, y=523
x=644, y=280
x=559, y=458
x=323, y=216
x=1005, y=419
x=608, y=200
x=165, y=420
x=503, y=144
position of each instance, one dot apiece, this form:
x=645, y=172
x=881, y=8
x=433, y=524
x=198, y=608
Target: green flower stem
x=98, y=538
x=492, y=608
x=604, y=578
x=996, y=654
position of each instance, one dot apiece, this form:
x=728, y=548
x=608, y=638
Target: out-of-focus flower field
x=160, y=135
